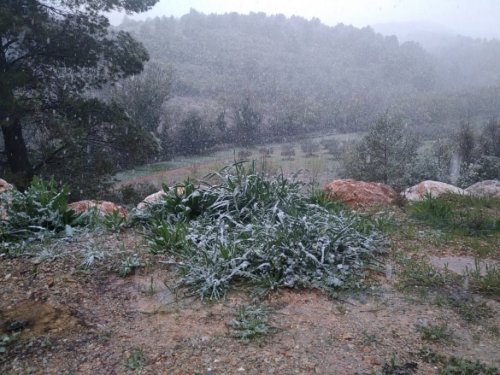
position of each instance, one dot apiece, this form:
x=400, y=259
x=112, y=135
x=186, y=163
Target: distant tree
x=143, y=95
x=489, y=141
x=51, y=53
x=466, y=143
x=244, y=154
x=288, y=152
x=193, y=136
x=385, y=155
x=266, y=152
x=333, y=147
x=309, y=148
x=248, y=122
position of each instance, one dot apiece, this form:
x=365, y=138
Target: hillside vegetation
x=304, y=75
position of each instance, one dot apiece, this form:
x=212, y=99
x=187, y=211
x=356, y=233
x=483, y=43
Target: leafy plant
x=6, y=340
x=250, y=323
x=430, y=356
x=395, y=367
x=260, y=230
x=40, y=211
x=137, y=360
x=114, y=221
x=129, y=265
x=460, y=366
x=438, y=332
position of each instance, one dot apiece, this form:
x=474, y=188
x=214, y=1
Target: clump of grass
x=432, y=210
x=430, y=356
x=460, y=366
x=259, y=230
x=136, y=360
x=420, y=274
x=469, y=309
x=487, y=284
x=463, y=215
x=251, y=323
x=395, y=367
x=435, y=332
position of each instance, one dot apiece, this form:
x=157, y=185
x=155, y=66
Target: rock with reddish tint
x=5, y=186
x=359, y=194
x=102, y=207
x=487, y=188
x=434, y=188
x=150, y=199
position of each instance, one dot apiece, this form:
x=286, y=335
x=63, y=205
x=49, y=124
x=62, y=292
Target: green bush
x=41, y=209
x=258, y=230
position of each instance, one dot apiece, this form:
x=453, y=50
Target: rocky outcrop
x=102, y=207
x=434, y=188
x=150, y=199
x=358, y=194
x=487, y=188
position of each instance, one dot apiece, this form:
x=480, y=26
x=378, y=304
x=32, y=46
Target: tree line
x=79, y=99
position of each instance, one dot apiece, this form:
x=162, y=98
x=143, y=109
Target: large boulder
x=359, y=194
x=487, y=188
x=434, y=188
x=102, y=207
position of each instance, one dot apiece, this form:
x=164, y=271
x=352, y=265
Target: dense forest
x=303, y=75
x=220, y=80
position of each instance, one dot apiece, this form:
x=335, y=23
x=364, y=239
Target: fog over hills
x=308, y=75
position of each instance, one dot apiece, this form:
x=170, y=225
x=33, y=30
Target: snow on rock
x=155, y=197
x=358, y=194
x=487, y=188
x=435, y=188
x=150, y=199
x=103, y=207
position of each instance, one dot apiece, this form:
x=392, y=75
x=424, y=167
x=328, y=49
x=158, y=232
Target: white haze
x=475, y=18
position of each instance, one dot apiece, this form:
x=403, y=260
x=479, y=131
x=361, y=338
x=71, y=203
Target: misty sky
x=477, y=18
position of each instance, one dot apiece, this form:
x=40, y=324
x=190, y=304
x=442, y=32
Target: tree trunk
x=17, y=154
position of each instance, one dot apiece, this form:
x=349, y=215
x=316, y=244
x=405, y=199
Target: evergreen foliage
x=52, y=53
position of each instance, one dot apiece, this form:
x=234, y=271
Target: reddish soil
x=92, y=321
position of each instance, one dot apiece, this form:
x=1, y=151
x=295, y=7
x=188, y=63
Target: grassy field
x=318, y=167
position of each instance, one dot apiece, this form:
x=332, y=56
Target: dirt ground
x=91, y=321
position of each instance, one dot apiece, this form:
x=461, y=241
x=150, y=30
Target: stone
x=103, y=207
x=359, y=194
x=487, y=188
x=434, y=188
x=150, y=199
x=5, y=186
x=155, y=197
